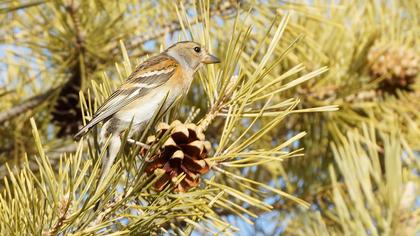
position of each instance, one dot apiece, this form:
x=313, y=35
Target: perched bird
x=152, y=87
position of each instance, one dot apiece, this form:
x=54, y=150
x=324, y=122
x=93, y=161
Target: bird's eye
x=197, y=49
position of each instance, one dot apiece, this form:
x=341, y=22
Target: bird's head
x=191, y=55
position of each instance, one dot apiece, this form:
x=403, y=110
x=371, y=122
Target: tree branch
x=28, y=104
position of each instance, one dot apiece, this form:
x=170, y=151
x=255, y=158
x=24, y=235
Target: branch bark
x=28, y=104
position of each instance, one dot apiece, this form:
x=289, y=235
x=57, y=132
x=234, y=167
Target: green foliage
x=376, y=192
x=270, y=110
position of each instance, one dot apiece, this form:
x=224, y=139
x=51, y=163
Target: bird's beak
x=210, y=59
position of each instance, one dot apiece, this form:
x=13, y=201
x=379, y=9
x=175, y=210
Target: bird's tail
x=82, y=132
x=109, y=158
x=107, y=161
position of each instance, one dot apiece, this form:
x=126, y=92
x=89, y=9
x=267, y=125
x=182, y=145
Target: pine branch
x=227, y=10
x=27, y=105
x=63, y=212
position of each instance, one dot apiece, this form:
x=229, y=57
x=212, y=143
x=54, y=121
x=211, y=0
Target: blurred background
x=360, y=165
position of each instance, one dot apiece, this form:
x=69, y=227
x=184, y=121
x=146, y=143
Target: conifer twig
x=26, y=105
x=63, y=212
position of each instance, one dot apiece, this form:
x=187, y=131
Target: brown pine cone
x=396, y=65
x=185, y=151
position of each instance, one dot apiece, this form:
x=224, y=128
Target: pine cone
x=398, y=66
x=67, y=114
x=185, y=151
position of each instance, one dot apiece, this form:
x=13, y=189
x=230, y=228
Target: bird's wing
x=147, y=76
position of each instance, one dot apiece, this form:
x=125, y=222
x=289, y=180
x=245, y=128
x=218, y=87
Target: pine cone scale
x=184, y=151
x=396, y=67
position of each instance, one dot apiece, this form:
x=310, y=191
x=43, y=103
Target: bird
x=153, y=87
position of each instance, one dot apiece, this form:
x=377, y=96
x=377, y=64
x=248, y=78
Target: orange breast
x=180, y=80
